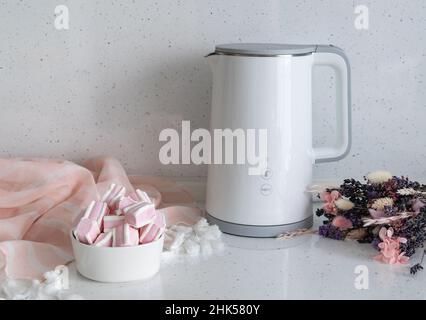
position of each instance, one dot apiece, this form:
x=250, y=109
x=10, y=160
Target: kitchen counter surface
x=305, y=267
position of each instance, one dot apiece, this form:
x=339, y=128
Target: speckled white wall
x=127, y=69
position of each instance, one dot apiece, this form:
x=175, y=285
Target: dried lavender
x=414, y=230
x=418, y=266
x=329, y=231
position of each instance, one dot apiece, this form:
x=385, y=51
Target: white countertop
x=306, y=267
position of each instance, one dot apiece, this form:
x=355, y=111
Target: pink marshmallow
x=113, y=195
x=96, y=212
x=87, y=231
x=154, y=230
x=117, y=212
x=111, y=222
x=126, y=202
x=140, y=214
x=143, y=196
x=90, y=224
x=125, y=235
x=104, y=240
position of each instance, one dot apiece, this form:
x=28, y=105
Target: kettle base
x=268, y=231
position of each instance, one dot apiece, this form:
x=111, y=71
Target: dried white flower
x=344, y=204
x=381, y=203
x=379, y=176
x=387, y=220
x=407, y=191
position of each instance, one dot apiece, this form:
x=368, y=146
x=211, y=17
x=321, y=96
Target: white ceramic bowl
x=122, y=264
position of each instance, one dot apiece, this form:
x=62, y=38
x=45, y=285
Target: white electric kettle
x=269, y=86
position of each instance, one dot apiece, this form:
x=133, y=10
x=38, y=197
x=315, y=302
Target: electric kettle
x=269, y=87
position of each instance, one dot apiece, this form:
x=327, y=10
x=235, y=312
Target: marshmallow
x=113, y=195
x=87, y=231
x=111, y=222
x=140, y=214
x=154, y=230
x=104, y=239
x=118, y=212
x=125, y=235
x=96, y=211
x=126, y=202
x=90, y=225
x=143, y=196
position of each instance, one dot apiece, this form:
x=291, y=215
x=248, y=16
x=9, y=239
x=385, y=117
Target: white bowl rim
x=113, y=248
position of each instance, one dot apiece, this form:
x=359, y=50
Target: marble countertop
x=305, y=267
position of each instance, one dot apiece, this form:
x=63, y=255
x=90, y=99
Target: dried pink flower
x=329, y=198
x=390, y=251
x=342, y=223
x=376, y=214
x=417, y=205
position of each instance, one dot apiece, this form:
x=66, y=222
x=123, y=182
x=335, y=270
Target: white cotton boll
x=191, y=247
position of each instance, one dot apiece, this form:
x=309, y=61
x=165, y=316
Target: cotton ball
x=51, y=276
x=50, y=290
x=191, y=247
x=34, y=290
x=210, y=233
x=177, y=242
x=53, y=284
x=13, y=288
x=182, y=229
x=201, y=223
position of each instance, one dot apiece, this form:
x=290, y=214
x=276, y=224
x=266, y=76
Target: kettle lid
x=264, y=49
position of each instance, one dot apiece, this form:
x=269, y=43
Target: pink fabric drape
x=41, y=200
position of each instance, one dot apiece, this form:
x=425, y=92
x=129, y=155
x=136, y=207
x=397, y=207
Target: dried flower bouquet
x=387, y=211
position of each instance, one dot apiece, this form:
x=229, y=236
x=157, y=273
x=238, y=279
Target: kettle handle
x=335, y=58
